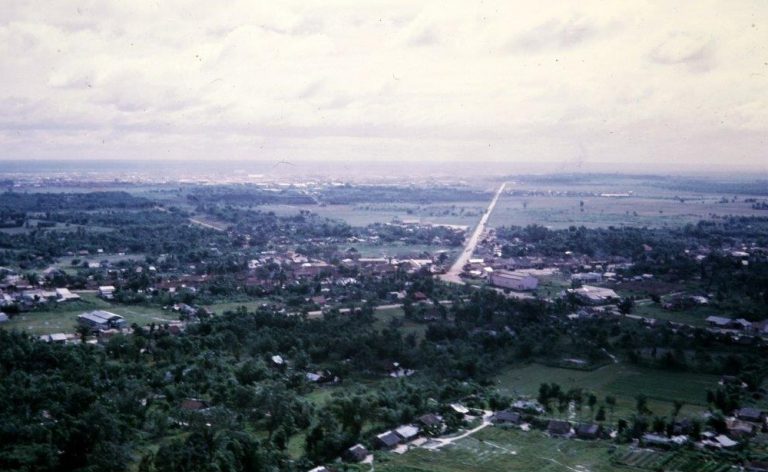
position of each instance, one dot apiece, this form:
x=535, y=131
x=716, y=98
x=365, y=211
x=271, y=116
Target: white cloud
x=489, y=80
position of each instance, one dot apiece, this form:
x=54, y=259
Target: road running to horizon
x=469, y=247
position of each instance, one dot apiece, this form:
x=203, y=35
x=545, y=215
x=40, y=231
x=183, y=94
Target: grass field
x=63, y=319
x=493, y=449
x=385, y=317
x=455, y=213
x=656, y=210
x=623, y=381
x=682, y=461
x=694, y=316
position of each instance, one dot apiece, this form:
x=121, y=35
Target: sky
x=648, y=85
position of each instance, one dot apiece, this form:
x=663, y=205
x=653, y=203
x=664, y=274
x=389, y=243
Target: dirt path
x=207, y=225
x=437, y=443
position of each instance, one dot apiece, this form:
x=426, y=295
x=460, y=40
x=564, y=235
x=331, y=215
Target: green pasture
x=620, y=380
x=561, y=212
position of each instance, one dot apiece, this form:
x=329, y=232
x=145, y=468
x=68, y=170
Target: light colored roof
x=313, y=377
x=407, y=431
x=725, y=441
x=511, y=275
x=596, y=293
x=100, y=316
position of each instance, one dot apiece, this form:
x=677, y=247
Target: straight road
x=469, y=247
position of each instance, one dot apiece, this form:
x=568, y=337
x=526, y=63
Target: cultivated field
x=493, y=449
x=620, y=380
x=563, y=204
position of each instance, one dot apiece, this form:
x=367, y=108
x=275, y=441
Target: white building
x=596, y=295
x=107, y=292
x=64, y=295
x=513, y=280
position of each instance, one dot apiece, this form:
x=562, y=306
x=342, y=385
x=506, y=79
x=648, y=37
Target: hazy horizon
x=343, y=169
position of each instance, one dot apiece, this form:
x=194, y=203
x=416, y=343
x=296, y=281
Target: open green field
x=693, y=316
x=560, y=212
x=494, y=449
x=454, y=213
x=623, y=381
x=63, y=318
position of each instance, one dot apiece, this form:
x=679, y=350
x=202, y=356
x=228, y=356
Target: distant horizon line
x=523, y=167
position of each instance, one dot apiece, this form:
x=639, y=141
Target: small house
x=107, y=292
x=431, y=422
x=194, y=404
x=507, y=417
x=356, y=453
x=753, y=415
x=656, y=440
x=718, y=321
x=559, y=428
x=588, y=431
x=407, y=432
x=387, y=440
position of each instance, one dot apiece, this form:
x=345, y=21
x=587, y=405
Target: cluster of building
x=17, y=291
x=743, y=424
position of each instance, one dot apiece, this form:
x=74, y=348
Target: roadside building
x=507, y=417
x=512, y=280
x=107, y=292
x=431, y=423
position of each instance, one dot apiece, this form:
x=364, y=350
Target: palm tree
x=83, y=332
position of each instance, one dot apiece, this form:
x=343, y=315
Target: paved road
x=469, y=247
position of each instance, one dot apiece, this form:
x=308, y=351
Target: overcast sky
x=648, y=83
